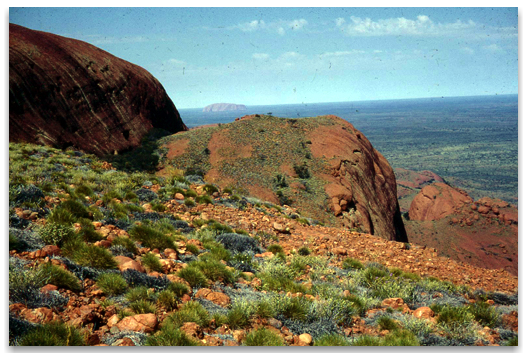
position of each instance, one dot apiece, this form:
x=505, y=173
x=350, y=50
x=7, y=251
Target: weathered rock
x=393, y=302
x=146, y=323
x=437, y=201
x=355, y=180
x=423, y=312
x=193, y=330
x=305, y=338
x=126, y=263
x=65, y=92
x=216, y=297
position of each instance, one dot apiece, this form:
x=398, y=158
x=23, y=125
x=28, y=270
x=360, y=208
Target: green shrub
x=275, y=248
x=264, y=309
x=138, y=293
x=193, y=249
x=210, y=189
x=484, y=314
x=56, y=233
x=142, y=306
x=193, y=276
x=192, y=311
x=61, y=216
x=386, y=323
x=170, y=337
x=150, y=237
x=112, y=283
x=350, y=263
x=189, y=202
x=151, y=262
x=60, y=277
x=178, y=288
x=84, y=190
x=263, y=337
x=331, y=339
x=296, y=309
x=93, y=256
x=127, y=243
x=400, y=338
x=451, y=314
x=167, y=299
x=304, y=251
x=53, y=334
x=76, y=208
x=205, y=199
x=513, y=341
x=214, y=270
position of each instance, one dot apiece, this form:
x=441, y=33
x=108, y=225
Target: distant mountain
x=223, y=107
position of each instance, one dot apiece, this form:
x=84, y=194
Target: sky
x=265, y=56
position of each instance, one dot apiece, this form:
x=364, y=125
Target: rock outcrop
x=223, y=107
x=437, y=201
x=323, y=166
x=65, y=92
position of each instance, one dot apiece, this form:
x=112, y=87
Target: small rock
x=423, y=312
x=143, y=323
x=305, y=338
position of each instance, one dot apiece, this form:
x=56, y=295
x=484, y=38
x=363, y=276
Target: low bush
x=304, y=251
x=127, y=243
x=142, y=306
x=484, y=314
x=275, y=248
x=93, y=256
x=151, y=262
x=331, y=339
x=170, y=337
x=56, y=233
x=263, y=337
x=150, y=237
x=386, y=323
x=60, y=277
x=139, y=293
x=112, y=283
x=178, y=288
x=192, y=311
x=53, y=334
x=167, y=299
x=193, y=276
x=214, y=270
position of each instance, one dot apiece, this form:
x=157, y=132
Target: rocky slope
x=409, y=184
x=65, y=92
x=483, y=233
x=322, y=166
x=223, y=107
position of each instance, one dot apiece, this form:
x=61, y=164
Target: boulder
x=146, y=323
x=126, y=263
x=216, y=297
x=423, y=312
x=64, y=92
x=437, y=201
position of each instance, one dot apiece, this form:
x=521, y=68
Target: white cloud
x=493, y=48
x=468, y=50
x=421, y=26
x=290, y=55
x=279, y=27
x=342, y=53
x=260, y=56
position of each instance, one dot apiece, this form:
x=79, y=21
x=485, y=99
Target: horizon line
x=363, y=100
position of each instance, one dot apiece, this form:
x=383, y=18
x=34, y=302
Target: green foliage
x=263, y=337
x=56, y=233
x=167, y=299
x=142, y=306
x=112, y=283
x=331, y=339
x=151, y=262
x=170, y=337
x=93, y=256
x=53, y=334
x=193, y=249
x=386, y=323
x=61, y=216
x=484, y=314
x=150, y=237
x=304, y=251
x=178, y=288
x=139, y=293
x=238, y=317
x=189, y=202
x=394, y=338
x=296, y=308
x=213, y=270
x=193, y=276
x=210, y=189
x=204, y=199
x=513, y=341
x=192, y=311
x=275, y=248
x=127, y=243
x=60, y=277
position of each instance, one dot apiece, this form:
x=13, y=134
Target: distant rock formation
x=323, y=166
x=437, y=201
x=223, y=107
x=65, y=92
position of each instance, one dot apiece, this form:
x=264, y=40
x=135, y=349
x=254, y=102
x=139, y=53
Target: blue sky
x=258, y=56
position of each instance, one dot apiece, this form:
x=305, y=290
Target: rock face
x=65, y=92
x=222, y=107
x=322, y=166
x=437, y=201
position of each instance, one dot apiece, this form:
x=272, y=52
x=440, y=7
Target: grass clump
x=178, y=288
x=386, y=323
x=138, y=293
x=304, y=251
x=142, y=306
x=167, y=299
x=170, y=337
x=192, y=311
x=127, y=243
x=193, y=249
x=53, y=334
x=263, y=337
x=92, y=256
x=350, y=263
x=484, y=314
x=150, y=237
x=112, y=283
x=214, y=270
x=151, y=262
x=56, y=233
x=60, y=277
x=331, y=339
x=193, y=276
x=275, y=248
x=394, y=338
